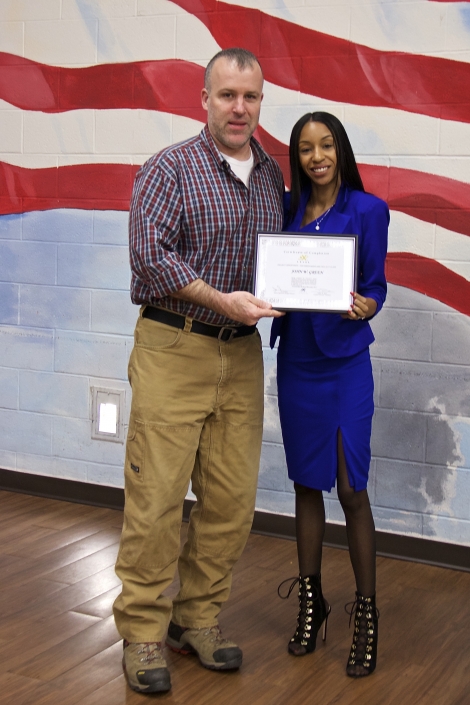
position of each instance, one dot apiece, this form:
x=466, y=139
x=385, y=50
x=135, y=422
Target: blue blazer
x=354, y=213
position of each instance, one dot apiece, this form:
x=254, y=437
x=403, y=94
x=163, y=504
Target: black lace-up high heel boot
x=363, y=655
x=313, y=612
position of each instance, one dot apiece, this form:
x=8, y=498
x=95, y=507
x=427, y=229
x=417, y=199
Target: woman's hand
x=361, y=308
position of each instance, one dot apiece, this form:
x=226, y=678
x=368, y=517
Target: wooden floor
x=59, y=646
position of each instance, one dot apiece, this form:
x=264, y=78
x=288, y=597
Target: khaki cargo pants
x=196, y=416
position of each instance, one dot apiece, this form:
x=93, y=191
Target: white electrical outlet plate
x=107, y=407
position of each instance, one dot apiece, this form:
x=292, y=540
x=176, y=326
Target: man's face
x=233, y=103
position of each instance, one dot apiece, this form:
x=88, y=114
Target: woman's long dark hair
x=346, y=162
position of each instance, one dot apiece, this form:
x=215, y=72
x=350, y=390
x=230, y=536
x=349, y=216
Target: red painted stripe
x=430, y=278
x=169, y=86
x=109, y=187
x=427, y=197
x=318, y=64
x=434, y=199
x=294, y=57
x=86, y=186
x=157, y=85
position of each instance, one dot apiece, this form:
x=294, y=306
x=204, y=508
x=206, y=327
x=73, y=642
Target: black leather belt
x=170, y=318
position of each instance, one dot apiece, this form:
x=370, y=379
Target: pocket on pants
x=134, y=467
x=158, y=466
x=152, y=335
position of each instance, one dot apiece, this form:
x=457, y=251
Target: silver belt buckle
x=221, y=332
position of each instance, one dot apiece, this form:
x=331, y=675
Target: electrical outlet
x=107, y=407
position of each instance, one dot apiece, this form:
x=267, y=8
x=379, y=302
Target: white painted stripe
x=89, y=33
x=378, y=135
x=408, y=234
x=84, y=39
x=418, y=27
x=82, y=136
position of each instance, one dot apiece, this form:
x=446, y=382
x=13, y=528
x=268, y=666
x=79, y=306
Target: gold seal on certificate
x=306, y=272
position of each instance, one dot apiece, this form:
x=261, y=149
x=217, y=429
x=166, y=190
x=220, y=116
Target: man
x=196, y=375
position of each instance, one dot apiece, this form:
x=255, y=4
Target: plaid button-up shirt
x=191, y=218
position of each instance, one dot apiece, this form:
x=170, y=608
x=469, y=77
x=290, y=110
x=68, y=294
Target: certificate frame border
x=308, y=236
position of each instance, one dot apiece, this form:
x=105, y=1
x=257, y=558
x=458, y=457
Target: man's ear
x=204, y=97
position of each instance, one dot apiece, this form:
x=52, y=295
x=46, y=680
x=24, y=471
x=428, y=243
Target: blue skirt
x=319, y=396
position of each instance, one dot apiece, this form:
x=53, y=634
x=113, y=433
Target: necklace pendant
x=317, y=227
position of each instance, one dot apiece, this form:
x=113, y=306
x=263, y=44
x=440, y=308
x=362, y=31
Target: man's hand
x=246, y=308
x=239, y=305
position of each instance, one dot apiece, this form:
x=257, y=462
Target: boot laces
x=294, y=582
x=364, y=631
x=215, y=634
x=291, y=587
x=151, y=651
x=357, y=607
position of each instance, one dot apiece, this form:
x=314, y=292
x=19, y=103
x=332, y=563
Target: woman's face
x=317, y=154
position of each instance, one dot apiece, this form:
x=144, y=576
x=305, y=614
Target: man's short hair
x=242, y=57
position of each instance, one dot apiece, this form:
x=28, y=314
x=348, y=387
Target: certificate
x=306, y=272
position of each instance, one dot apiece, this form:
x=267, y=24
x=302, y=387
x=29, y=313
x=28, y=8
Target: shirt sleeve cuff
x=172, y=277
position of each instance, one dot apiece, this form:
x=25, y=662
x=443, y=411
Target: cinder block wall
x=66, y=321
x=67, y=324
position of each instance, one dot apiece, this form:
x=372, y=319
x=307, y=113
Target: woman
x=325, y=382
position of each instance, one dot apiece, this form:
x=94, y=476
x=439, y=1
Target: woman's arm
x=372, y=285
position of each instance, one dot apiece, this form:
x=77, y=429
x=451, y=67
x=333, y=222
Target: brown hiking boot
x=213, y=650
x=145, y=668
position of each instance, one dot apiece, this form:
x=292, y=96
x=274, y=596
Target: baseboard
x=61, y=488
x=438, y=553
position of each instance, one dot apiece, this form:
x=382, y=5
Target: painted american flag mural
x=90, y=88
x=387, y=98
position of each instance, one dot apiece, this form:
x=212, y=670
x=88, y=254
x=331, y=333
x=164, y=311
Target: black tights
x=360, y=529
